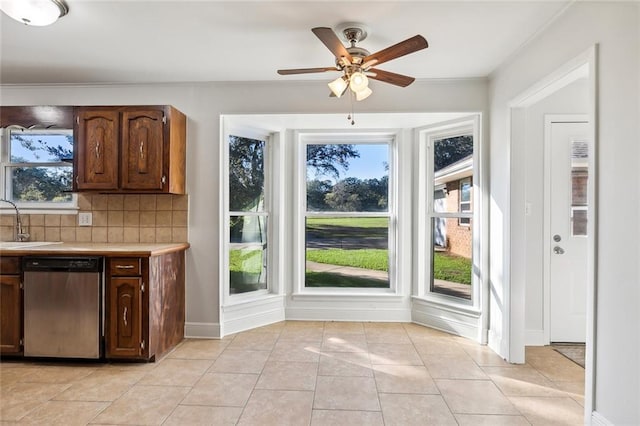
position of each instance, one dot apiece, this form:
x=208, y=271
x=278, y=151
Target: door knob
x=558, y=250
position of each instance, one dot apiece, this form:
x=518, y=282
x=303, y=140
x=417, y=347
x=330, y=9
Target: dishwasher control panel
x=67, y=264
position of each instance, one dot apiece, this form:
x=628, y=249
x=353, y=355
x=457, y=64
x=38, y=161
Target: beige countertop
x=96, y=249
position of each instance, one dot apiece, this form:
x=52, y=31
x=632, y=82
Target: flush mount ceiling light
x=356, y=63
x=34, y=12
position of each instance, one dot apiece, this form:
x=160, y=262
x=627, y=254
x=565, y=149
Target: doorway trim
x=584, y=65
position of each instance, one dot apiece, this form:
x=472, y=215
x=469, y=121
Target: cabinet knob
x=163, y=180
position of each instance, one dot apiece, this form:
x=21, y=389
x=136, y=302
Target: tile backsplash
x=116, y=218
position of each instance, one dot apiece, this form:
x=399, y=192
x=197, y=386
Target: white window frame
x=425, y=138
x=341, y=137
x=6, y=165
x=240, y=298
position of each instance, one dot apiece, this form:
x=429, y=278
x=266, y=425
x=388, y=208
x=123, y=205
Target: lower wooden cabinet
x=10, y=306
x=145, y=304
x=125, y=318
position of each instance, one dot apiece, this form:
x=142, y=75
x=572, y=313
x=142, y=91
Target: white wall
x=614, y=26
x=571, y=99
x=203, y=104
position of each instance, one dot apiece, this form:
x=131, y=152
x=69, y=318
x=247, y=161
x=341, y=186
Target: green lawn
x=376, y=259
x=446, y=267
x=450, y=267
x=245, y=261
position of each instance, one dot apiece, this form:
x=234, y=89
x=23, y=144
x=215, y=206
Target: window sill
x=347, y=296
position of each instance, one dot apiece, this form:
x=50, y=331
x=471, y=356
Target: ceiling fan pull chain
x=351, y=116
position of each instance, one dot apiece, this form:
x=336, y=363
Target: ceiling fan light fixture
x=34, y=12
x=338, y=86
x=358, y=81
x=363, y=94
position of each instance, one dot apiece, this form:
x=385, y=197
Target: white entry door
x=567, y=175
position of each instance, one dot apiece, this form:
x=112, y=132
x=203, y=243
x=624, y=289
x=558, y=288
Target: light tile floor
x=303, y=373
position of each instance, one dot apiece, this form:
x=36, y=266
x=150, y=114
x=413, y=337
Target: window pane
x=247, y=253
x=347, y=252
x=41, y=146
x=465, y=190
x=41, y=184
x=348, y=177
x=246, y=174
x=579, y=221
x=450, y=151
x=452, y=171
x=451, y=258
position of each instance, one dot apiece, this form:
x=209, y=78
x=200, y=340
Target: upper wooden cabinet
x=96, y=149
x=130, y=149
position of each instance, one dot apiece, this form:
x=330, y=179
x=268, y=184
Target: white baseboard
x=251, y=314
x=249, y=322
x=534, y=338
x=598, y=419
x=497, y=344
x=202, y=330
x=447, y=319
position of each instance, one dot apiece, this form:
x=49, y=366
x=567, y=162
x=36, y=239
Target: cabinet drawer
x=9, y=265
x=125, y=266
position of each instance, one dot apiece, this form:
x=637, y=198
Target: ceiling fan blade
x=333, y=43
x=390, y=77
x=410, y=45
x=306, y=70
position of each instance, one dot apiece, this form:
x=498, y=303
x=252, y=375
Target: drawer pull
x=125, y=266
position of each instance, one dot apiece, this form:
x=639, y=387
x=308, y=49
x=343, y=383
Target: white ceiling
x=138, y=41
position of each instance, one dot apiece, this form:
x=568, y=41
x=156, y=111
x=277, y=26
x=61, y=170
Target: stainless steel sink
x=13, y=245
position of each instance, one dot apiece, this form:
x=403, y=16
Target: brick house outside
x=453, y=194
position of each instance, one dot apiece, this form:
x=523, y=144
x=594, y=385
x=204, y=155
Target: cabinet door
x=10, y=314
x=96, y=147
x=143, y=150
x=125, y=318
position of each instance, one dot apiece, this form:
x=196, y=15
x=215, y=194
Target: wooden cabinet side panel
x=10, y=314
x=167, y=308
x=142, y=150
x=96, y=149
x=125, y=318
x=177, y=128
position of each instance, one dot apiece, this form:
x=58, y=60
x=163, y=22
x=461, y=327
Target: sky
x=370, y=164
x=18, y=151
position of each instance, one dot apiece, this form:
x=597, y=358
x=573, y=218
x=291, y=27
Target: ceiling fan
x=356, y=63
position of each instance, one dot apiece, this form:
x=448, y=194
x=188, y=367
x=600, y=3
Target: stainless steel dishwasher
x=63, y=307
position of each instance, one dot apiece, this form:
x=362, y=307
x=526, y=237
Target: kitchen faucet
x=20, y=235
